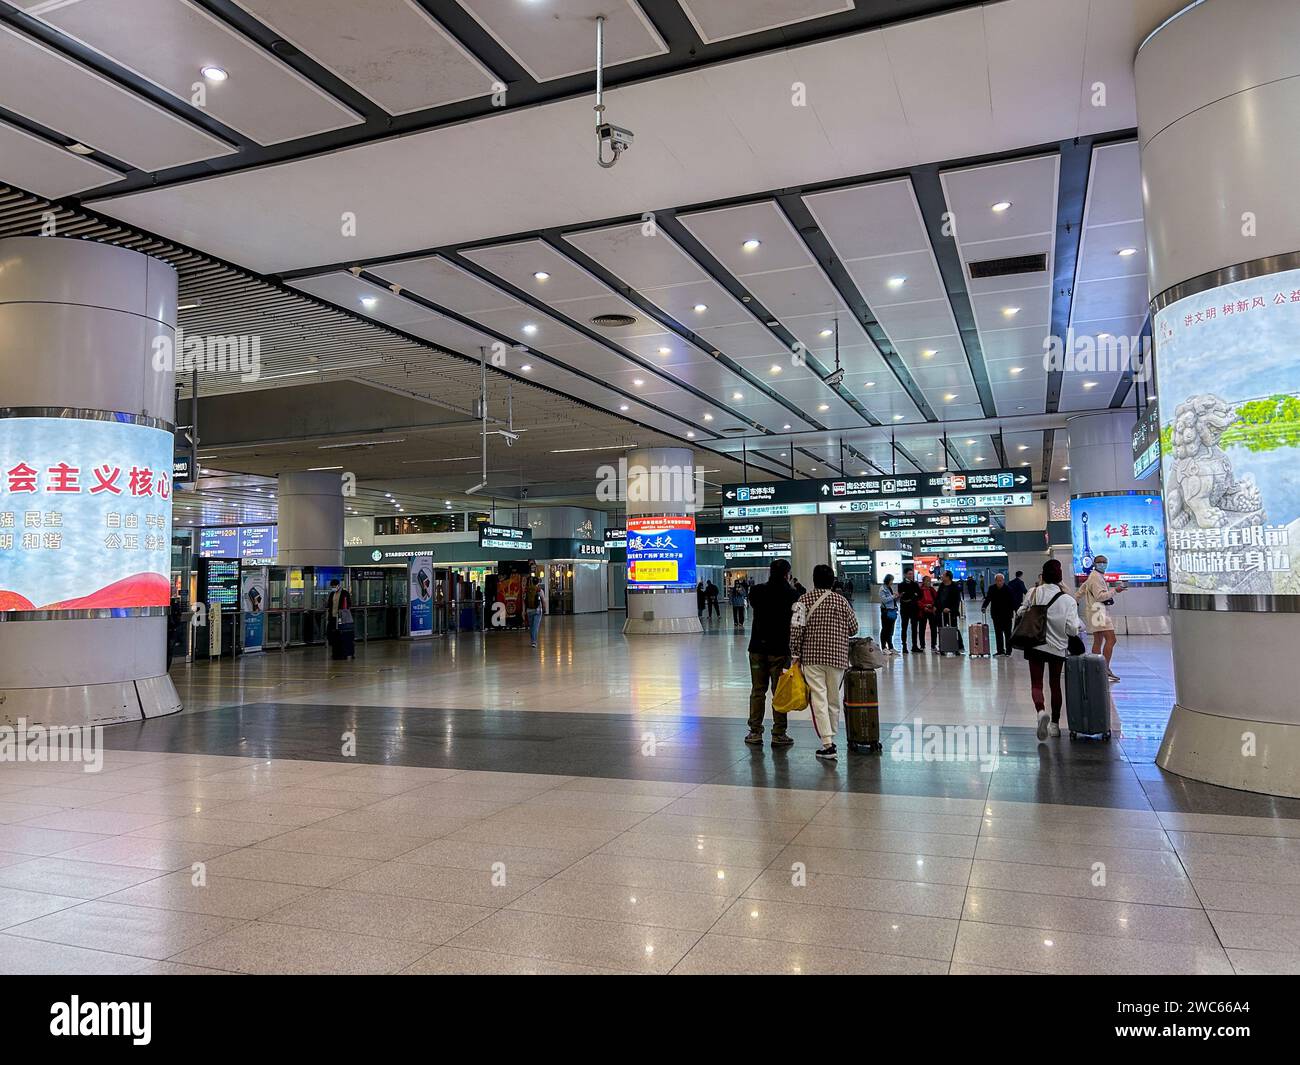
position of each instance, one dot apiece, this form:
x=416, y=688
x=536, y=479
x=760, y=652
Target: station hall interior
x=411, y=410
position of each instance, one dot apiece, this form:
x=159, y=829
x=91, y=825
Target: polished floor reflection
x=471, y=806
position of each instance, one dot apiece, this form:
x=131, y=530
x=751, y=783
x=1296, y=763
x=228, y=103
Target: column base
x=84, y=705
x=1208, y=748
x=662, y=626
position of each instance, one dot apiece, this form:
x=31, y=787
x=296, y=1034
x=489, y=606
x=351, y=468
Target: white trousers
x=827, y=702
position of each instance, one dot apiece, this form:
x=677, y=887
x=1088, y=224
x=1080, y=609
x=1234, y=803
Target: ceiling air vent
x=613, y=321
x=735, y=429
x=1017, y=264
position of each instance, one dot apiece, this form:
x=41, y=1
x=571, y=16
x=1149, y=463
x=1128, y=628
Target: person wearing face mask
x=1096, y=594
x=928, y=610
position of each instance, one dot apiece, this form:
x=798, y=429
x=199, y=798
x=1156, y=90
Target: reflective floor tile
x=220, y=896
x=82, y=880
x=17, y=906
x=316, y=839
x=892, y=896
x=448, y=961
x=919, y=868
x=388, y=917
x=1070, y=952
x=468, y=887
x=709, y=850
x=1265, y=962
x=575, y=897
x=1084, y=883
x=32, y=957
x=23, y=839
x=548, y=837
x=630, y=871
x=118, y=929
x=1022, y=909
x=261, y=947
x=1282, y=869
x=590, y=817
x=894, y=820
x=1237, y=825
x=1237, y=895
x=91, y=819
x=282, y=815
x=832, y=926
x=208, y=830
x=13, y=812
x=287, y=867
x=730, y=954
x=1154, y=839
x=638, y=948
x=1080, y=856
x=460, y=854
x=1257, y=931
x=723, y=827
x=846, y=837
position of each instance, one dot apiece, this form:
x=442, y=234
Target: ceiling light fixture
x=526, y=367
x=638, y=382
x=898, y=417
x=700, y=308
x=823, y=406
x=708, y=417
x=751, y=244
x=622, y=406
x=950, y=397
x=665, y=351
x=929, y=353
x=541, y=275
x=1017, y=369
x=896, y=282
x=78, y=148
x=785, y=427
x=737, y=395
x=776, y=367
x=1126, y=252
x=369, y=301
x=825, y=332
x=1001, y=205
x=1010, y=312
x=213, y=73
x=530, y=329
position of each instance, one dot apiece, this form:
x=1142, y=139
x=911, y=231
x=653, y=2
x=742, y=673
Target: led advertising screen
x=219, y=543
x=253, y=543
x=661, y=551
x=1230, y=430
x=85, y=514
x=1128, y=529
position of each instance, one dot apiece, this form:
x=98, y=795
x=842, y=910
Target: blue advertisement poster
x=85, y=514
x=252, y=599
x=1230, y=414
x=661, y=551
x=421, y=584
x=1128, y=529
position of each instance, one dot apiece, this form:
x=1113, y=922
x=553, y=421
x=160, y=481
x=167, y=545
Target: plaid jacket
x=824, y=639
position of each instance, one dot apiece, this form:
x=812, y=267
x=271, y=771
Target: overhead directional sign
x=957, y=491
x=957, y=544
x=732, y=532
x=900, y=526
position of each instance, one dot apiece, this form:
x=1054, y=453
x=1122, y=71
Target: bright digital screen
x=85, y=514
x=1230, y=429
x=1128, y=529
x=249, y=542
x=661, y=552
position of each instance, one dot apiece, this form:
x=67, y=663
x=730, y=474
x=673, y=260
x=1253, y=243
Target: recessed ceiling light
x=1089, y=384
x=929, y=353
x=213, y=73
x=898, y=417
x=812, y=469
x=690, y=434
x=1002, y=205
x=700, y=308
x=1010, y=312
x=896, y=282
x=1065, y=467
x=1023, y=447
x=737, y=395
x=870, y=384
x=638, y=382
x=541, y=275
x=1065, y=478
x=826, y=332
x=776, y=367
x=950, y=397
x=786, y=427
x=1126, y=252
x=530, y=329
x=979, y=458
x=1017, y=369
x=665, y=351
x=751, y=244
x=708, y=417
x=526, y=367
x=823, y=406
x=622, y=406
x=369, y=301
x=970, y=441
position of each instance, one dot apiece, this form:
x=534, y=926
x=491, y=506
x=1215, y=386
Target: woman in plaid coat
x=820, y=628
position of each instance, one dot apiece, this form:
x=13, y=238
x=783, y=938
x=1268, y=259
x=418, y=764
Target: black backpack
x=1031, y=629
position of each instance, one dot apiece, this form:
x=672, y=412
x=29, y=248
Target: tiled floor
x=592, y=809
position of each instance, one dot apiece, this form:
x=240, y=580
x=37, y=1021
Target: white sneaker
x=1043, y=721
x=1113, y=679
x=1054, y=731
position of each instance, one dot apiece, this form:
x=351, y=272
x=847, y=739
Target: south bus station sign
x=967, y=490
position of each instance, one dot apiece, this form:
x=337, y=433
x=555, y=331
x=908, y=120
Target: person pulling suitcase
x=1045, y=624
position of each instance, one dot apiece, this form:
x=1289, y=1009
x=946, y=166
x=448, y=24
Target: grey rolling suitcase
x=949, y=636
x=1087, y=696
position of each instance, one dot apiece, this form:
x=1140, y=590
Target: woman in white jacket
x=1096, y=594
x=1049, y=656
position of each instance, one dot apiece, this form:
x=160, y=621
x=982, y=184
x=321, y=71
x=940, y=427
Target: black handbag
x=1031, y=629
x=1075, y=647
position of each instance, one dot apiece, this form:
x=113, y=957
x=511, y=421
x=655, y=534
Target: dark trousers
x=738, y=614
x=714, y=608
x=764, y=672
x=911, y=626
x=886, y=629
x=1002, y=627
x=930, y=623
x=1054, y=664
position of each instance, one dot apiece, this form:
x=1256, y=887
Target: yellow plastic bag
x=791, y=691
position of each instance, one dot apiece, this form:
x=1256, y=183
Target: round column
x=310, y=519
x=1218, y=94
x=660, y=485
x=86, y=446
x=1101, y=471
x=810, y=546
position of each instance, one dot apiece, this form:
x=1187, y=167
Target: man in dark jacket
x=1018, y=590
x=909, y=608
x=948, y=603
x=770, y=605
x=998, y=602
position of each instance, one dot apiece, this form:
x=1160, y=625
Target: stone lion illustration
x=1203, y=492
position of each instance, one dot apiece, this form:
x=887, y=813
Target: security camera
x=834, y=377
x=620, y=139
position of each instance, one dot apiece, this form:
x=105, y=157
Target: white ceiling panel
x=38, y=166
x=60, y=94
x=555, y=40
x=390, y=50
x=262, y=98
x=720, y=20
x=1025, y=86
x=1028, y=184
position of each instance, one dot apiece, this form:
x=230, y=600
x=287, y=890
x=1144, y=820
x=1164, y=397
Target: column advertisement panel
x=252, y=599
x=421, y=585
